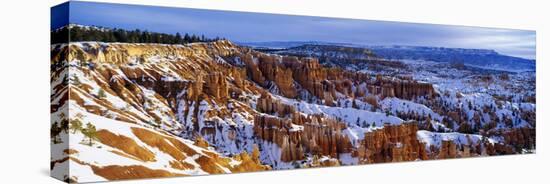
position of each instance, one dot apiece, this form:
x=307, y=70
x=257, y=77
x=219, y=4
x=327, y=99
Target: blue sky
x=260, y=27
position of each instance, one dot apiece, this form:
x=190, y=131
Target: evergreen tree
x=194, y=39
x=54, y=132
x=76, y=125
x=121, y=35
x=90, y=132
x=155, y=38
x=77, y=33
x=60, y=35
x=144, y=38
x=101, y=94
x=186, y=38
x=76, y=80
x=64, y=126
x=65, y=81
x=109, y=36
x=178, y=39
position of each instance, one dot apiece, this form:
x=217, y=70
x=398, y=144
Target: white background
x=24, y=90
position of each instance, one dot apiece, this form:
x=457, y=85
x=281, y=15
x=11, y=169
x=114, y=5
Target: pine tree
x=77, y=33
x=65, y=81
x=60, y=35
x=144, y=37
x=76, y=80
x=76, y=125
x=90, y=132
x=64, y=126
x=109, y=36
x=101, y=94
x=194, y=39
x=121, y=35
x=178, y=39
x=54, y=132
x=186, y=38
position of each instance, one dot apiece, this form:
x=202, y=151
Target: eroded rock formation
x=404, y=88
x=299, y=134
x=225, y=96
x=216, y=86
x=393, y=143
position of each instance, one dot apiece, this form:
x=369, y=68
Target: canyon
x=218, y=107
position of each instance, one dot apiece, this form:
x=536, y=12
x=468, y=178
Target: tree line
x=78, y=33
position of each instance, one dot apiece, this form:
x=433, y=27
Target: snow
x=349, y=115
x=120, y=128
x=398, y=105
x=84, y=173
x=434, y=138
x=527, y=106
x=270, y=153
x=347, y=159
x=95, y=88
x=296, y=128
x=354, y=118
x=102, y=155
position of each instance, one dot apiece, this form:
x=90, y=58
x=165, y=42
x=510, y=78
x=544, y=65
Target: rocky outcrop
x=293, y=75
x=388, y=90
x=297, y=134
x=249, y=162
x=312, y=77
x=251, y=64
x=403, y=88
x=521, y=138
x=447, y=150
x=267, y=104
x=141, y=53
x=393, y=143
x=216, y=86
x=194, y=89
x=412, y=89
x=239, y=77
x=301, y=134
x=282, y=77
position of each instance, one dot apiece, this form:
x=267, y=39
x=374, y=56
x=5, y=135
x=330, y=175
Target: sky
x=262, y=27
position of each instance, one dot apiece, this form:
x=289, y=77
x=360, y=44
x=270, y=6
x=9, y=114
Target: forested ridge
x=87, y=33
